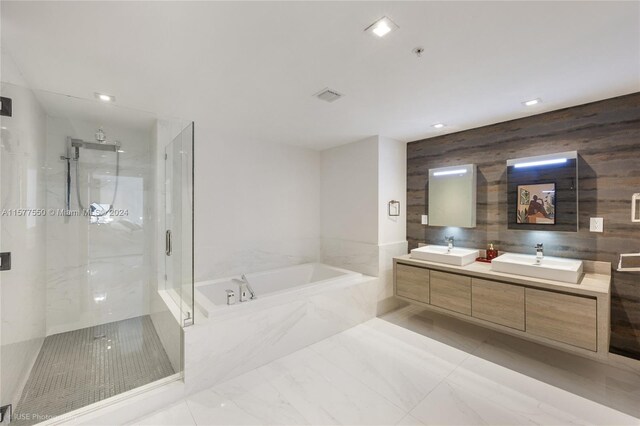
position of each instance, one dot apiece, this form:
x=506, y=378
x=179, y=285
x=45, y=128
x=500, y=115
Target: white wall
x=23, y=291
x=263, y=206
x=358, y=181
x=392, y=185
x=257, y=206
x=349, y=192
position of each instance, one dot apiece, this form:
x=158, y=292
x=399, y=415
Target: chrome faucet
x=539, y=253
x=449, y=241
x=245, y=289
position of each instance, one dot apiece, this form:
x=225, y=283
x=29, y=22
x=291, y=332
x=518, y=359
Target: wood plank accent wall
x=606, y=135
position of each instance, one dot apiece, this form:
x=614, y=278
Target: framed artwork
x=536, y=204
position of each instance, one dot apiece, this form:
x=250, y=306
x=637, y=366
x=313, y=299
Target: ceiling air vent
x=328, y=95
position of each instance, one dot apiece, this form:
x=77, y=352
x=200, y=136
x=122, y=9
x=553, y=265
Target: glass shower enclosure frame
x=178, y=222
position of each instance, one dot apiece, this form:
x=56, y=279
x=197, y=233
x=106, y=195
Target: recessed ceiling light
x=532, y=102
x=381, y=27
x=437, y=126
x=105, y=98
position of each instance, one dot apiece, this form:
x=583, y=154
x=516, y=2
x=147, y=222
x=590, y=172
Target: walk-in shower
x=94, y=304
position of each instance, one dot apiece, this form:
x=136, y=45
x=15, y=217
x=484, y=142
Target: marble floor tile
x=610, y=386
x=325, y=394
x=251, y=393
x=450, y=331
x=416, y=368
x=210, y=408
x=409, y=420
x=451, y=405
x=397, y=363
x=175, y=415
x=480, y=392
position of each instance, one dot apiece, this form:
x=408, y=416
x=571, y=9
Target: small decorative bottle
x=492, y=253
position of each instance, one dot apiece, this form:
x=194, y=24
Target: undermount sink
x=441, y=254
x=550, y=268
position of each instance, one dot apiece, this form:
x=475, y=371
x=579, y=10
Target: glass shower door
x=179, y=222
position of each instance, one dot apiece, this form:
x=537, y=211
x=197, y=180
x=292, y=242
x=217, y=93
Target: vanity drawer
x=451, y=291
x=412, y=282
x=561, y=317
x=498, y=303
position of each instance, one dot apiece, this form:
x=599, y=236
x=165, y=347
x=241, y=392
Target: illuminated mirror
x=452, y=196
x=542, y=192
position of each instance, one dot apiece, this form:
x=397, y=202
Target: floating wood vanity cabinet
x=498, y=303
x=451, y=291
x=572, y=317
x=412, y=283
x=562, y=317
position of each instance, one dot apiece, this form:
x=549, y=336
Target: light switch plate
x=425, y=219
x=596, y=224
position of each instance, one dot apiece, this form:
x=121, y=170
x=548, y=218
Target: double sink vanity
x=559, y=302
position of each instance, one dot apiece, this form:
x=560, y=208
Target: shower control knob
x=5, y=261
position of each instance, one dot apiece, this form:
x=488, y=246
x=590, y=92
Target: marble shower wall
x=98, y=273
x=606, y=135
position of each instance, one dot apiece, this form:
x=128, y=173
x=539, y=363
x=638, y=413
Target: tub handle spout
x=244, y=288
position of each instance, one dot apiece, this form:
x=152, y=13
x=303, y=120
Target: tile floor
x=412, y=367
x=81, y=367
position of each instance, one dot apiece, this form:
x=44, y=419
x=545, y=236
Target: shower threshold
x=82, y=367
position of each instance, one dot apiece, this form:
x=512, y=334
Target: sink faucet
x=539, y=253
x=245, y=288
x=449, y=241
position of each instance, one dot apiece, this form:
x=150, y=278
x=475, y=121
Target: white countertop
x=595, y=282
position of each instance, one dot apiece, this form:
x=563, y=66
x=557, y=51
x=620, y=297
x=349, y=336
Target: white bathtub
x=295, y=307
x=211, y=296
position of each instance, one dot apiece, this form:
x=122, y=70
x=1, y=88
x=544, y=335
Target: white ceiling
x=247, y=71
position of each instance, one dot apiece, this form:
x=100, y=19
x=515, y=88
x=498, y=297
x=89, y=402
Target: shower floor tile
x=81, y=367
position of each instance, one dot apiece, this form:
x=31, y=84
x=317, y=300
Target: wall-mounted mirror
x=542, y=192
x=452, y=196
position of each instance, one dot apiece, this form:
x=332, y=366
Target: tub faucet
x=539, y=253
x=245, y=289
x=449, y=241
x=231, y=297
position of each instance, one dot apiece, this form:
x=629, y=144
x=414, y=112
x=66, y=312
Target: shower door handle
x=167, y=243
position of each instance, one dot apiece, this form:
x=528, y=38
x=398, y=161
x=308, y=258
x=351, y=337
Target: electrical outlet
x=596, y=224
x=425, y=219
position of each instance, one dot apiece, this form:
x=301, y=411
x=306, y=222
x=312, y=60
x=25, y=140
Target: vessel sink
x=440, y=254
x=551, y=268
